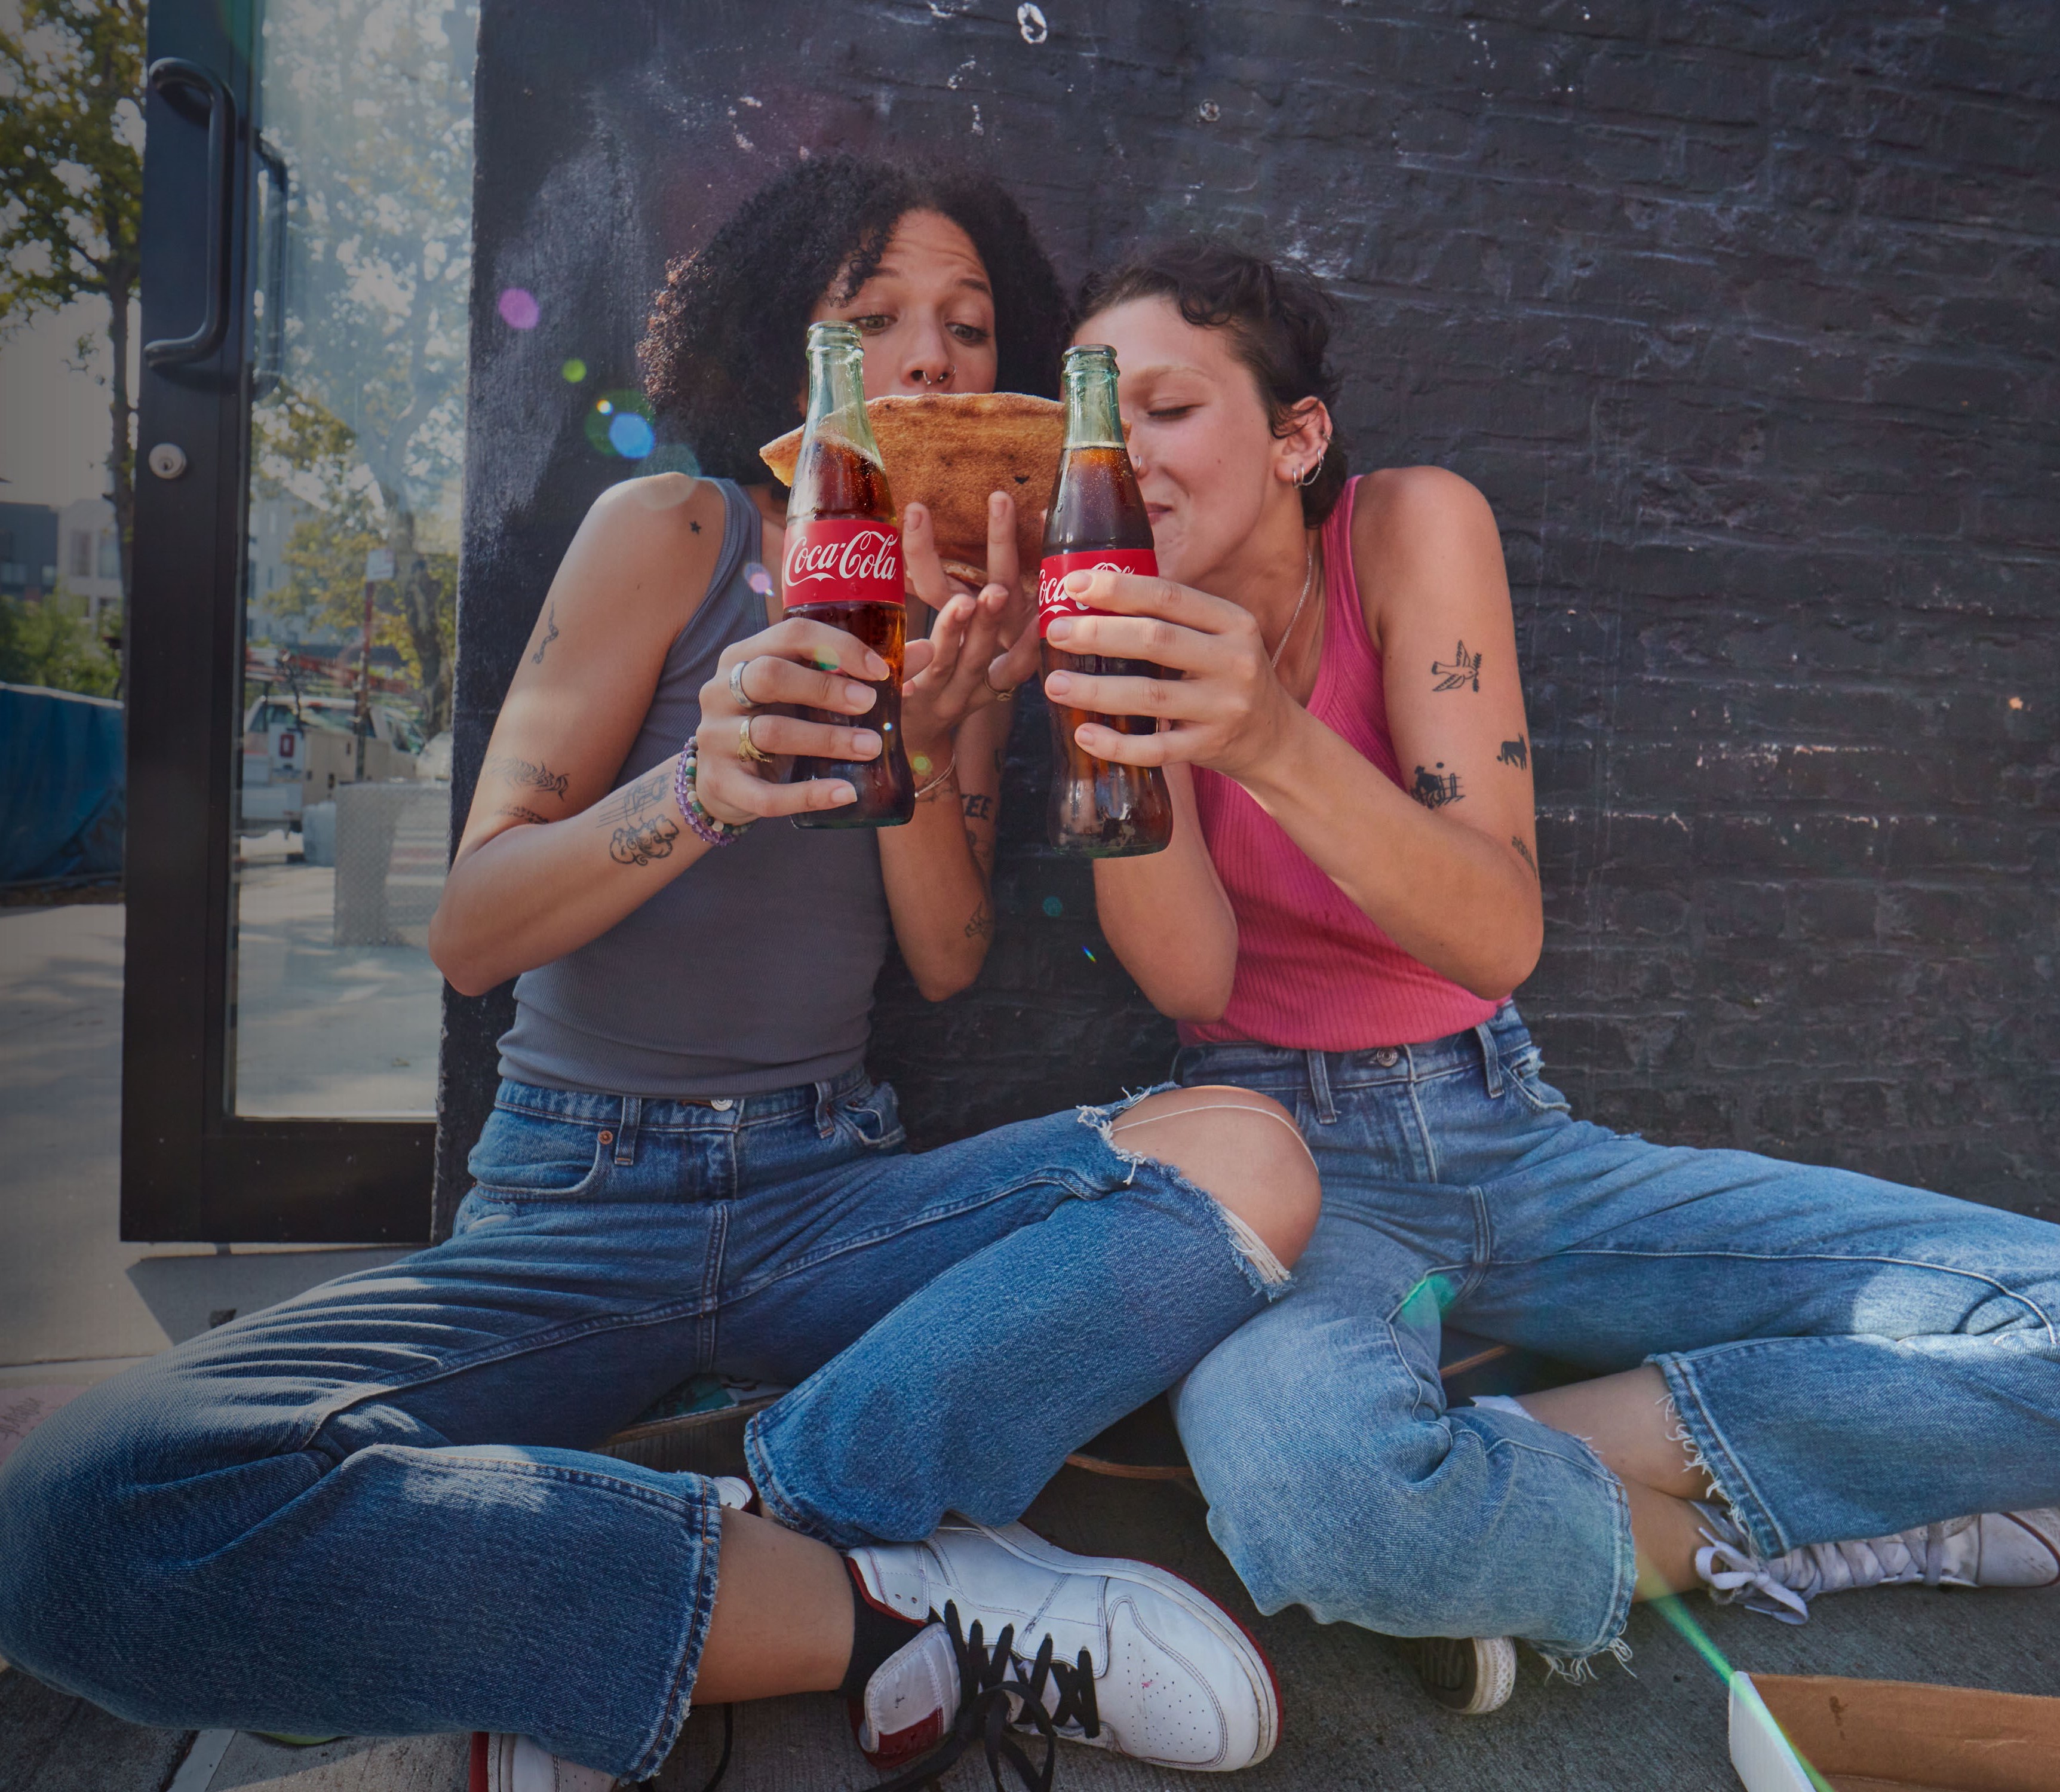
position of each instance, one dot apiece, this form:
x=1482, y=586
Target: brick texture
x=1743, y=315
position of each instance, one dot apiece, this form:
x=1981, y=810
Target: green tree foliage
x=51, y=643
x=370, y=103
x=71, y=139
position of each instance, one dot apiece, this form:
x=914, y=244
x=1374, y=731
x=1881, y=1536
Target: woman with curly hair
x=377, y=1508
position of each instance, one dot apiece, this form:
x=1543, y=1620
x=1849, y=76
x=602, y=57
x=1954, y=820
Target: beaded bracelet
x=708, y=828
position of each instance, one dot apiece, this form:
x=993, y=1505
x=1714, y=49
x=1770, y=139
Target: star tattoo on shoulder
x=1463, y=669
x=694, y=525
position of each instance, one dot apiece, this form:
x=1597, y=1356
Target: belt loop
x=825, y=1125
x=1320, y=1086
x=625, y=1131
x=1491, y=1061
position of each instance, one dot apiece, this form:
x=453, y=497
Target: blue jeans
x=1847, y=1357
x=372, y=1509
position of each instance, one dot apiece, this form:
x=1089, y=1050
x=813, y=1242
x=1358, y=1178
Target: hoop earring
x=1308, y=477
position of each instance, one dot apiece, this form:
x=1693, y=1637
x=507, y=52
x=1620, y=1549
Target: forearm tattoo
x=1516, y=752
x=981, y=926
x=521, y=771
x=1434, y=789
x=516, y=812
x=1462, y=668
x=979, y=806
x=635, y=801
x=1523, y=852
x=638, y=843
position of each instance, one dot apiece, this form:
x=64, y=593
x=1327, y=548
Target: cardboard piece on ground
x=1889, y=1736
x=950, y=450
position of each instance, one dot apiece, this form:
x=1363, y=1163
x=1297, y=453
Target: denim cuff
x=702, y=1518
x=1710, y=1453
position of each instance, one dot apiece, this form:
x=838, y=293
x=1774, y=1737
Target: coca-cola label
x=842, y=560
x=1052, y=601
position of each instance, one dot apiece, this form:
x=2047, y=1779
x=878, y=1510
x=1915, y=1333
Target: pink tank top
x=1312, y=971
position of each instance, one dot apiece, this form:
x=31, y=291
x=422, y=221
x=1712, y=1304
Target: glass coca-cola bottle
x=842, y=566
x=1098, y=810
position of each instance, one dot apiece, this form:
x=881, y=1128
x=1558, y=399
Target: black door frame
x=190, y=1170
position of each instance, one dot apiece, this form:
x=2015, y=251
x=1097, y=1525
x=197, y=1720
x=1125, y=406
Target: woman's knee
x=1240, y=1147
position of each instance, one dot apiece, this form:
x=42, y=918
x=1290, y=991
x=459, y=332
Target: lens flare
x=574, y=371
x=1053, y=907
x=518, y=309
x=1091, y=958
x=631, y=437
x=759, y=580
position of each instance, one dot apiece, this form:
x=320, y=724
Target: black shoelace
x=994, y=1694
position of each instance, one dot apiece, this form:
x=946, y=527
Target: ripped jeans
x=372, y=1509
x=1846, y=1356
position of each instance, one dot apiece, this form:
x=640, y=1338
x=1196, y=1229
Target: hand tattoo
x=1516, y=752
x=1434, y=789
x=521, y=771
x=550, y=635
x=981, y=926
x=1523, y=852
x=634, y=800
x=1463, y=668
x=522, y=814
x=641, y=842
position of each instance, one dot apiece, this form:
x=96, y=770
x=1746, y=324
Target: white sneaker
x=1118, y=1655
x=1990, y=1549
x=505, y=1763
x=1470, y=1675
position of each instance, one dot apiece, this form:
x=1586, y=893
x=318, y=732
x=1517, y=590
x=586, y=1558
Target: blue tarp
x=63, y=799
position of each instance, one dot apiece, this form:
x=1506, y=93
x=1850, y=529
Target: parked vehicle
x=296, y=750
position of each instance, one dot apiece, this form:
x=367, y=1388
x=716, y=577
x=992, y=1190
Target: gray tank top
x=751, y=970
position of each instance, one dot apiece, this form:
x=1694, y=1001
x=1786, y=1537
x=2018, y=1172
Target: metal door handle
x=272, y=354
x=167, y=75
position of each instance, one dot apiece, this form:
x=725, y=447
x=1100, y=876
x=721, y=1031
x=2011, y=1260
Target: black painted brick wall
x=1742, y=315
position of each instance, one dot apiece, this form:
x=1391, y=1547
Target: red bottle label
x=842, y=560
x=1051, y=601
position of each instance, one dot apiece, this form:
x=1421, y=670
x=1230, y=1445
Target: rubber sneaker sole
x=1020, y=1541
x=1470, y=1675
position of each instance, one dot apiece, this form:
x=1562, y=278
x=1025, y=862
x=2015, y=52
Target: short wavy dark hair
x=1278, y=316
x=721, y=353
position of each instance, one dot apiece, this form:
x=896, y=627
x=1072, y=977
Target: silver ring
x=737, y=685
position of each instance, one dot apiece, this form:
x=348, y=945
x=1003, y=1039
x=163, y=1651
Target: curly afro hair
x=721, y=353
x=1278, y=317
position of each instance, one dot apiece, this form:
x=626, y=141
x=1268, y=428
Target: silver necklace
x=1308, y=583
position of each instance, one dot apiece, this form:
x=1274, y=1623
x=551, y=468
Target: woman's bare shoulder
x=651, y=539
x=1419, y=533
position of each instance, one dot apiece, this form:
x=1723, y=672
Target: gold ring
x=987, y=677
x=748, y=749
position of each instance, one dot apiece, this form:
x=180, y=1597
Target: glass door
x=306, y=243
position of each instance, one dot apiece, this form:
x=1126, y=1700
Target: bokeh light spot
x=759, y=580
x=920, y=765
x=1091, y=958
x=518, y=309
x=1053, y=907
x=606, y=407
x=631, y=437
x=574, y=370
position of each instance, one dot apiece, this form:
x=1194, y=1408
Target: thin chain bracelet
x=708, y=828
x=922, y=791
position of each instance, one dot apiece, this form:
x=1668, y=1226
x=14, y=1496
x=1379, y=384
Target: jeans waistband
x=1485, y=1049
x=671, y=1113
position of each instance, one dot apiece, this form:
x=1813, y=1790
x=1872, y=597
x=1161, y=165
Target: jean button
x=607, y=1138
x=722, y=1105
x=1387, y=1057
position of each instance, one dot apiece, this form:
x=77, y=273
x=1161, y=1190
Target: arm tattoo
x=1523, y=852
x=981, y=926
x=521, y=771
x=1516, y=752
x=983, y=853
x=979, y=806
x=1434, y=789
x=550, y=635
x=634, y=800
x=522, y=814
x=638, y=843
x=1463, y=669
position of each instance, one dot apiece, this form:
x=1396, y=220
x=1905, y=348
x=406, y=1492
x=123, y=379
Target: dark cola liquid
x=1099, y=810
x=886, y=788
x=833, y=479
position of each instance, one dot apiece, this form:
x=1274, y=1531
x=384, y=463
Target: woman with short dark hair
x=376, y=1509
x=1789, y=1357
